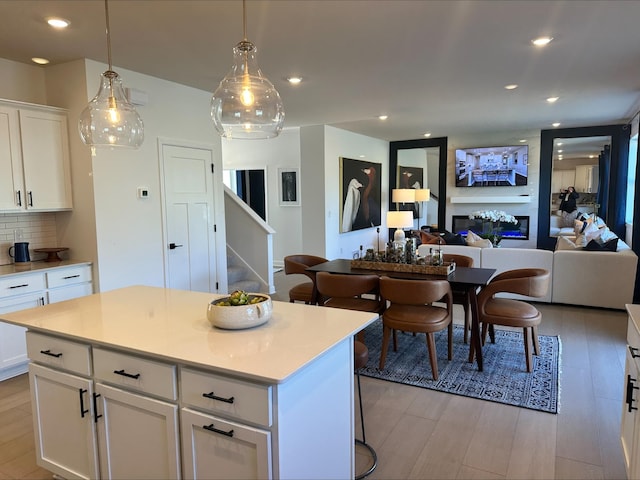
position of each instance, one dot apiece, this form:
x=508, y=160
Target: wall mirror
x=594, y=161
x=420, y=164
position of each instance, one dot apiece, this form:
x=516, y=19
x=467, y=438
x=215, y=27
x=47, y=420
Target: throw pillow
x=452, y=238
x=589, y=233
x=474, y=240
x=428, y=238
x=607, y=234
x=564, y=243
x=597, y=245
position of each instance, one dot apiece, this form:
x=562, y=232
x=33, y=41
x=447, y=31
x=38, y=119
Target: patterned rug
x=504, y=379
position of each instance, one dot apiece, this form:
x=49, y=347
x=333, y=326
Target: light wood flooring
x=422, y=434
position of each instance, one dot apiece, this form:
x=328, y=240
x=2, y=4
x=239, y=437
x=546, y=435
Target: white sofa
x=578, y=277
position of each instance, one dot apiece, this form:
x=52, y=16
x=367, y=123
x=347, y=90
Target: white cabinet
x=137, y=435
x=65, y=432
x=34, y=149
x=34, y=289
x=561, y=179
x=630, y=422
x=587, y=178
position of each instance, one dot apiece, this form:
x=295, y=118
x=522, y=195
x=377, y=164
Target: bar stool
x=361, y=357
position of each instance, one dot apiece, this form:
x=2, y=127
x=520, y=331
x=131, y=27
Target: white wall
x=25, y=83
x=531, y=189
x=270, y=155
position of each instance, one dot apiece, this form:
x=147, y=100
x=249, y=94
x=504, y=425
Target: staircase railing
x=250, y=238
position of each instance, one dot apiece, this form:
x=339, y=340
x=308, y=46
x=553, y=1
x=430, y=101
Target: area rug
x=504, y=379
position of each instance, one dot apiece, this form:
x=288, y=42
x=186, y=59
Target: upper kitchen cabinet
x=34, y=149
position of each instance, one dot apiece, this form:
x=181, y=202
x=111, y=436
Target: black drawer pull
x=211, y=428
x=71, y=276
x=19, y=198
x=95, y=407
x=82, y=391
x=125, y=374
x=30, y=198
x=19, y=286
x=220, y=399
x=48, y=352
x=634, y=352
x=630, y=388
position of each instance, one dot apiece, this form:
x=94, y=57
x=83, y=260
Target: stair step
x=236, y=274
x=250, y=286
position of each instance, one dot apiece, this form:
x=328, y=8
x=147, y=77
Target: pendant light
x=110, y=120
x=246, y=104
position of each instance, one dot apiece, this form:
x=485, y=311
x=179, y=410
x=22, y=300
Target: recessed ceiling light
x=560, y=151
x=592, y=156
x=556, y=124
x=40, y=61
x=383, y=117
x=541, y=41
x=427, y=134
x=552, y=99
x=511, y=86
x=294, y=80
x=559, y=143
x=524, y=140
x=361, y=156
x=58, y=22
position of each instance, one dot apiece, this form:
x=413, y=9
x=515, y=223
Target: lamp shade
x=402, y=219
x=403, y=195
x=246, y=104
x=423, y=194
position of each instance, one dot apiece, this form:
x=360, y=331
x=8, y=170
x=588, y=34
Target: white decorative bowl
x=238, y=317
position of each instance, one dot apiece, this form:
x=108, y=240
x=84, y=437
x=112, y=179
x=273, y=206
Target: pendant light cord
x=106, y=14
x=244, y=20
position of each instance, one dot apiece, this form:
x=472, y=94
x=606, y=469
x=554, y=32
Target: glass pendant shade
x=109, y=120
x=246, y=105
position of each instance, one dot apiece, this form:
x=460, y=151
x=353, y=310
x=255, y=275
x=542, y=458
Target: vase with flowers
x=492, y=221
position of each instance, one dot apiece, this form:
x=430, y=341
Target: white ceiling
x=437, y=66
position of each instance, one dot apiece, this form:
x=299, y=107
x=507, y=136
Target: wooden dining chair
x=462, y=294
x=411, y=309
x=495, y=310
x=298, y=264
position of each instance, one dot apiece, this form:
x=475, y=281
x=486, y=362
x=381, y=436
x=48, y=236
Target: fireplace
x=519, y=231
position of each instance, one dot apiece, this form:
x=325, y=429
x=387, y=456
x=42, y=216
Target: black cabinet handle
x=634, y=352
x=630, y=388
x=30, y=198
x=173, y=246
x=211, y=428
x=70, y=276
x=48, y=352
x=19, y=286
x=220, y=399
x=125, y=374
x=82, y=391
x=19, y=196
x=95, y=407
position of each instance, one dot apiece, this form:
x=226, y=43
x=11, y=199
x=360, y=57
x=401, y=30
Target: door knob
x=173, y=246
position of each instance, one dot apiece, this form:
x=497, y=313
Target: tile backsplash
x=39, y=229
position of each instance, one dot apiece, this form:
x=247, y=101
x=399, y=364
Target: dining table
x=470, y=278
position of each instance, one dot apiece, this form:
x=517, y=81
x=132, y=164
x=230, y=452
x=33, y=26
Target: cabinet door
x=138, y=436
x=65, y=432
x=219, y=449
x=11, y=181
x=629, y=402
x=45, y=158
x=13, y=345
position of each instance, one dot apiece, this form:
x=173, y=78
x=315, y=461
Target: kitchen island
x=135, y=383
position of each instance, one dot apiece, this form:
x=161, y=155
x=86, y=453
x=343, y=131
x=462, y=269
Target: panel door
x=65, y=435
x=45, y=155
x=189, y=227
x=11, y=182
x=138, y=436
x=219, y=449
x=13, y=344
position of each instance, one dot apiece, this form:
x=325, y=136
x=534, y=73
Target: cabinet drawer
x=219, y=394
x=60, y=353
x=633, y=341
x=68, y=276
x=72, y=291
x=135, y=373
x=21, y=284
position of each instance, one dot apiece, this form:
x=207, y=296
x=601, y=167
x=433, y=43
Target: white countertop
x=172, y=324
x=36, y=267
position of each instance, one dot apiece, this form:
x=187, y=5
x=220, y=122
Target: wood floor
x=422, y=434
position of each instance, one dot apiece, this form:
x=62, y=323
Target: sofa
x=578, y=277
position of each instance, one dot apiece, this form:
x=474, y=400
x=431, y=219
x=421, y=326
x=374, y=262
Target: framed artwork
x=410, y=177
x=289, y=187
x=360, y=186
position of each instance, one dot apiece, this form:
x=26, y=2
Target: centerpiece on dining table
x=492, y=221
x=403, y=257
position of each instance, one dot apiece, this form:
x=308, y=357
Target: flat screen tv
x=505, y=166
